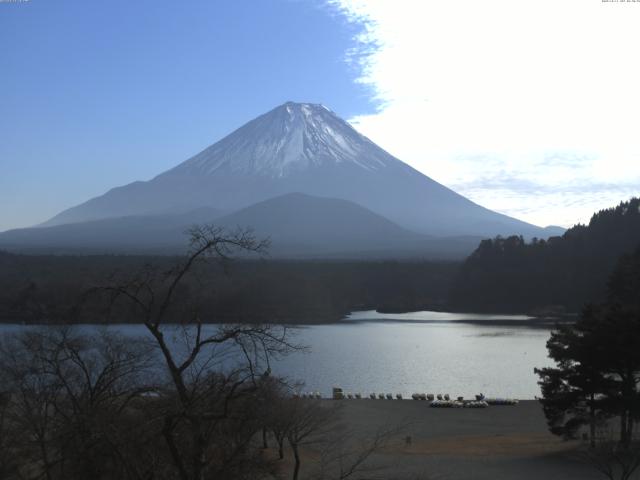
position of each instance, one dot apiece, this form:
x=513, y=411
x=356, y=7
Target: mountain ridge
x=302, y=147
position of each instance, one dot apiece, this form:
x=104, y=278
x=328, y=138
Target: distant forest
x=47, y=288
x=552, y=276
x=558, y=275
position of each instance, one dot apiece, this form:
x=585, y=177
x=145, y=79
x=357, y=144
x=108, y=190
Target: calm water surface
x=431, y=352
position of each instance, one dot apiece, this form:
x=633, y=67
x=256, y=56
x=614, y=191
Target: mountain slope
x=136, y=233
x=301, y=148
x=303, y=225
x=298, y=225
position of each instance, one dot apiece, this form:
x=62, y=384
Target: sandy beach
x=499, y=442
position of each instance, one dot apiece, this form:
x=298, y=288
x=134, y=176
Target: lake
x=431, y=352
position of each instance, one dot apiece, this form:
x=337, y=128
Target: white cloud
x=545, y=93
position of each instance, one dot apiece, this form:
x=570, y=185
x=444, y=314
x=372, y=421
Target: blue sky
x=98, y=94
x=541, y=127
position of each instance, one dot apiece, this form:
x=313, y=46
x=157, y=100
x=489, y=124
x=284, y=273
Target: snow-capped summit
x=289, y=138
x=305, y=148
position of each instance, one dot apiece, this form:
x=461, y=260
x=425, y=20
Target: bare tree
x=31, y=404
x=9, y=462
x=277, y=418
x=613, y=459
x=214, y=374
x=102, y=406
x=345, y=456
x=68, y=399
x=278, y=423
x=309, y=419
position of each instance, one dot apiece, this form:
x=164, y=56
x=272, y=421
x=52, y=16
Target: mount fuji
x=298, y=148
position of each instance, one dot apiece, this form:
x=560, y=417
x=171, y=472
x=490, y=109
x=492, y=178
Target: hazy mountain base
x=46, y=288
x=298, y=225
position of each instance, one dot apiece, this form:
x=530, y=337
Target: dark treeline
x=559, y=274
x=44, y=288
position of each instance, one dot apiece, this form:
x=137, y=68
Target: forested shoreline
x=553, y=276
x=47, y=288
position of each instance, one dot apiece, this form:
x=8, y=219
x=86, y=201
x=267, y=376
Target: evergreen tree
x=573, y=391
x=597, y=373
